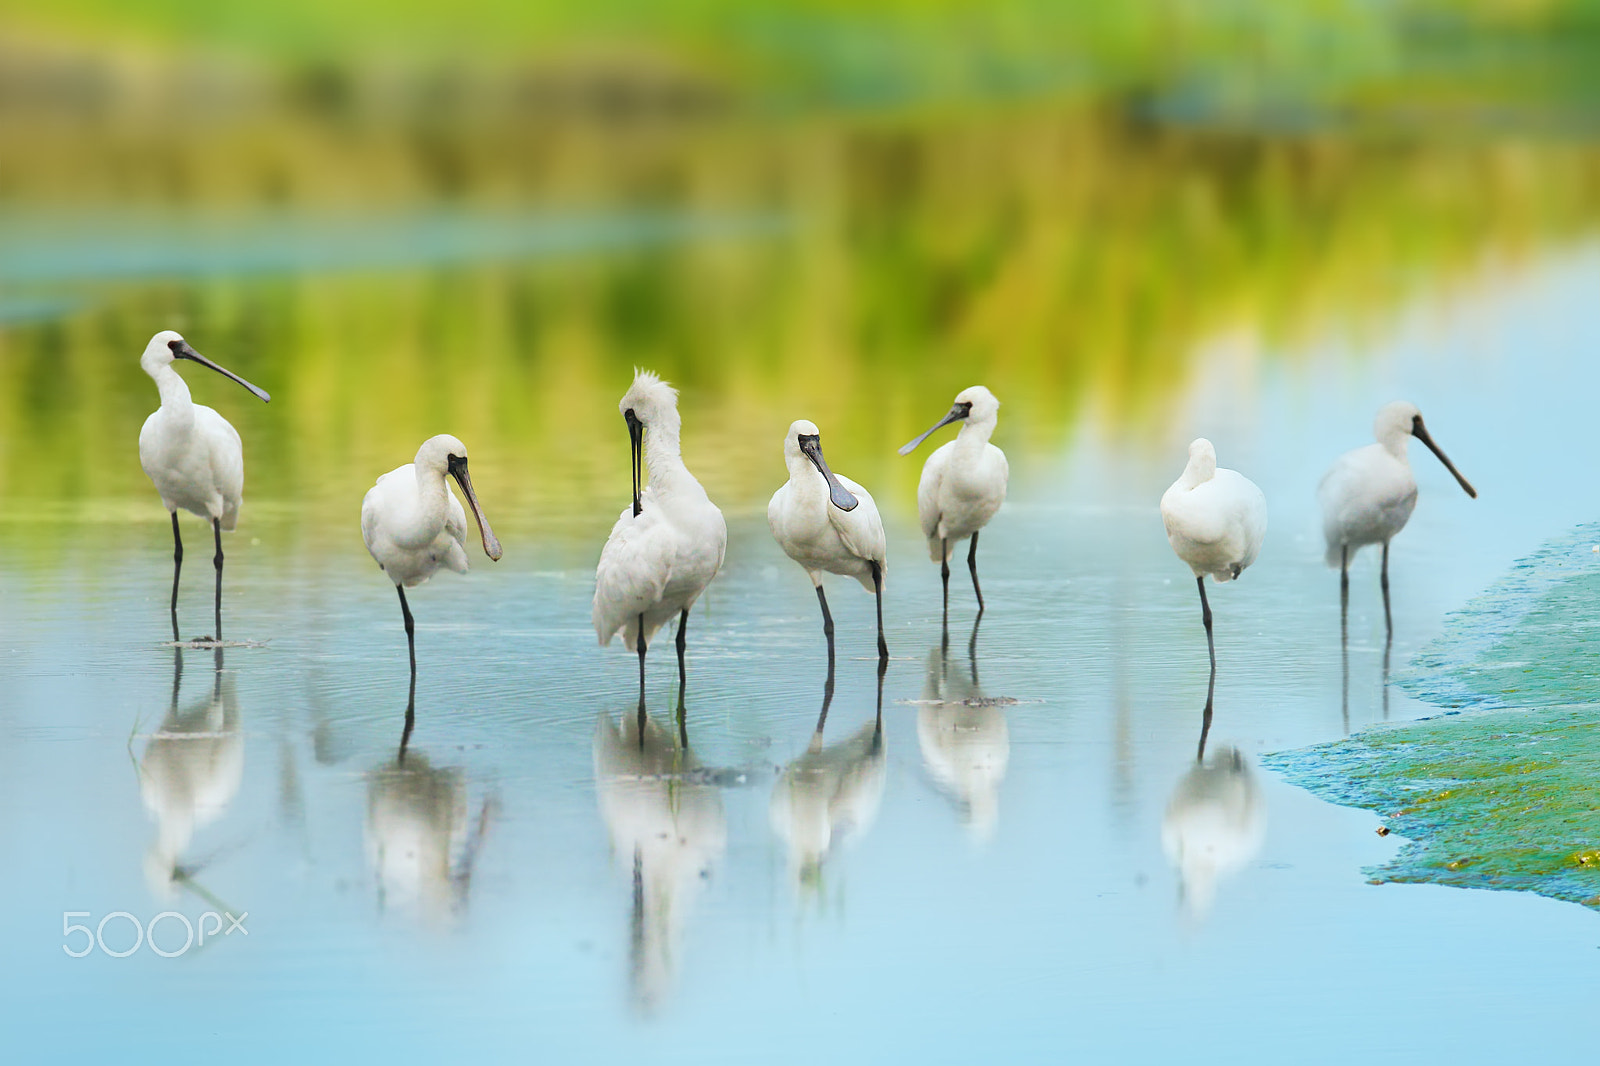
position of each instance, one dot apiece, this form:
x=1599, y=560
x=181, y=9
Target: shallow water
x=999, y=885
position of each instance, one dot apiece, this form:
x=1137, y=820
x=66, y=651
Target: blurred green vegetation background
x=408, y=218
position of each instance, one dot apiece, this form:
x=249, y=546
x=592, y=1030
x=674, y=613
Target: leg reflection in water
x=964, y=739
x=421, y=844
x=1214, y=822
x=665, y=816
x=830, y=793
x=189, y=774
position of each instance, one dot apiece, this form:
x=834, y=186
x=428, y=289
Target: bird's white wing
x=631, y=575
x=928, y=493
x=1366, y=496
x=369, y=520
x=225, y=453
x=861, y=529
x=372, y=505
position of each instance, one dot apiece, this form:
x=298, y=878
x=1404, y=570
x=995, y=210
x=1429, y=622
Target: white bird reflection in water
x=830, y=794
x=965, y=741
x=663, y=812
x=421, y=843
x=191, y=770
x=1214, y=823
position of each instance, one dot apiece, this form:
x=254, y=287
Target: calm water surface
x=535, y=883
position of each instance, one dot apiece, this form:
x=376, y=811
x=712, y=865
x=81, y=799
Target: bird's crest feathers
x=648, y=395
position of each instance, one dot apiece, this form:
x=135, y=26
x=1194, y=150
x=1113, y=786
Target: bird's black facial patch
x=808, y=438
x=1416, y=423
x=456, y=462
x=964, y=409
x=176, y=346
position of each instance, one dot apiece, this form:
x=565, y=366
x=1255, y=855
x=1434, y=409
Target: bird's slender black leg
x=1344, y=578
x=972, y=564
x=1344, y=635
x=1344, y=643
x=683, y=625
x=827, y=620
x=944, y=576
x=216, y=560
x=641, y=646
x=177, y=566
x=877, y=592
x=683, y=714
x=1211, y=685
x=411, y=636
x=1383, y=581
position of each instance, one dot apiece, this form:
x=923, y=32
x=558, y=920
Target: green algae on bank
x=1502, y=799
x=1529, y=640
x=1504, y=794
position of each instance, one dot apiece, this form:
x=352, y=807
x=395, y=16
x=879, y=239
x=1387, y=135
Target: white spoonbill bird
x=1369, y=492
x=825, y=521
x=963, y=484
x=412, y=525
x=667, y=544
x=192, y=454
x=1215, y=520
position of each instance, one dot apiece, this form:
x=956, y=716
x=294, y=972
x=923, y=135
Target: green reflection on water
x=1073, y=265
x=1069, y=263
x=474, y=252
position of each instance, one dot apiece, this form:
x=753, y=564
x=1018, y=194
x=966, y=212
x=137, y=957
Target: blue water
x=1051, y=926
